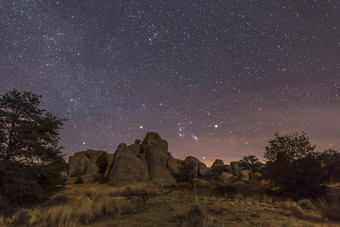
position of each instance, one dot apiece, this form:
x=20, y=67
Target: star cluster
x=216, y=79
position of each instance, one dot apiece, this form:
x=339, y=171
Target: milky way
x=216, y=79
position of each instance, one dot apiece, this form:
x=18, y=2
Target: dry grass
x=294, y=209
x=140, y=189
x=151, y=204
x=83, y=211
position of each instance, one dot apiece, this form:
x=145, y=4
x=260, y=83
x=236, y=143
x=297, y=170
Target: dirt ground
x=172, y=204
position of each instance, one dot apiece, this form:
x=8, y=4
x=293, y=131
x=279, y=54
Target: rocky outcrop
x=226, y=178
x=172, y=165
x=127, y=167
x=156, y=156
x=244, y=175
x=150, y=160
x=218, y=168
x=84, y=163
x=235, y=167
x=255, y=176
x=109, y=164
x=198, y=167
x=138, y=162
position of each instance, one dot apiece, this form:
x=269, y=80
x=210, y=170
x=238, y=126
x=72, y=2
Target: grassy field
x=149, y=204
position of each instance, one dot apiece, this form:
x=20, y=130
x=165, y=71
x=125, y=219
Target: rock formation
x=138, y=162
x=149, y=160
x=156, y=156
x=235, y=166
x=199, y=168
x=127, y=167
x=84, y=163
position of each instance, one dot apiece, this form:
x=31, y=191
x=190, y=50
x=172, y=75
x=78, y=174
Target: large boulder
x=84, y=163
x=235, y=166
x=127, y=167
x=199, y=168
x=109, y=164
x=255, y=176
x=244, y=175
x=226, y=178
x=217, y=168
x=156, y=156
x=172, y=165
x=135, y=148
x=218, y=162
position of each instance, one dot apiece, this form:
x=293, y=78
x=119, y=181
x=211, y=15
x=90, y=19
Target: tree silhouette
x=251, y=163
x=294, y=168
x=30, y=155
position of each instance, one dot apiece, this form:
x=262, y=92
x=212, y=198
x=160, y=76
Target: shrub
x=306, y=204
x=196, y=218
x=186, y=173
x=294, y=168
x=22, y=217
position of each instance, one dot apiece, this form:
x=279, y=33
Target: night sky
x=216, y=79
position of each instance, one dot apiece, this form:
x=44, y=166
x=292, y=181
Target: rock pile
x=149, y=160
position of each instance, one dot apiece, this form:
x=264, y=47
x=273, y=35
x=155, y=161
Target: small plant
x=79, y=180
x=306, y=204
x=22, y=217
x=196, y=218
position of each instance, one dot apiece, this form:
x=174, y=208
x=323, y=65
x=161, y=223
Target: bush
x=196, y=218
x=294, y=168
x=22, y=217
x=186, y=172
x=306, y=204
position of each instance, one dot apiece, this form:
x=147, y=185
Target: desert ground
x=184, y=204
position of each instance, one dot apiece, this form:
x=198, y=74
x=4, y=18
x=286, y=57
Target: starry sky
x=216, y=79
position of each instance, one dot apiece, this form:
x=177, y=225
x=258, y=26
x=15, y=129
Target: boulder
x=92, y=168
x=255, y=176
x=244, y=175
x=172, y=165
x=192, y=163
x=109, y=164
x=235, y=167
x=218, y=162
x=199, y=168
x=200, y=182
x=84, y=163
x=218, y=167
x=135, y=148
x=226, y=178
x=202, y=169
x=156, y=156
x=127, y=167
